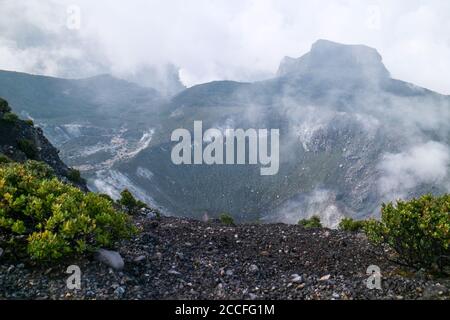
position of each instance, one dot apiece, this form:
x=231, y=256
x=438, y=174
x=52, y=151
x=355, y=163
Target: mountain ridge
x=336, y=137
x=336, y=57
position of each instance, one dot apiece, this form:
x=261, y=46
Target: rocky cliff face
x=20, y=141
x=328, y=60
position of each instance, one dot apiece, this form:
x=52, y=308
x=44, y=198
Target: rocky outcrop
x=330, y=60
x=20, y=141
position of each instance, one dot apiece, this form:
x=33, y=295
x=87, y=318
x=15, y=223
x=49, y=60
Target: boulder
x=111, y=258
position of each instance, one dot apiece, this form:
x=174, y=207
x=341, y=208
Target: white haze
x=245, y=41
x=426, y=163
x=210, y=40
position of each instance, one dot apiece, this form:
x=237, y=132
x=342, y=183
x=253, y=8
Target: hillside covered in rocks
x=176, y=258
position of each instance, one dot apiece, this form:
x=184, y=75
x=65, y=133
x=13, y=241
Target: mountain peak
x=330, y=60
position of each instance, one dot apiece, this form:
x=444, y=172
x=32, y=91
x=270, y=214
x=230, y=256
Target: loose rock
x=253, y=268
x=111, y=258
x=296, y=261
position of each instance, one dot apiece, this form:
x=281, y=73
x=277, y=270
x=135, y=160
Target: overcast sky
x=220, y=39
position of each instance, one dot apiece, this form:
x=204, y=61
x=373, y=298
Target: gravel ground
x=183, y=259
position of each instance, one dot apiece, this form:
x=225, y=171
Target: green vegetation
x=417, y=230
x=349, y=224
x=29, y=122
x=45, y=219
x=106, y=197
x=10, y=117
x=4, y=107
x=28, y=147
x=226, y=219
x=75, y=176
x=129, y=202
x=313, y=222
x=4, y=159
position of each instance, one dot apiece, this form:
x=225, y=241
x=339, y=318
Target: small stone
x=253, y=268
x=252, y=296
x=119, y=291
x=1, y=252
x=301, y=286
x=179, y=255
x=174, y=272
x=296, y=278
x=110, y=258
x=229, y=273
x=139, y=259
x=336, y=295
x=325, y=278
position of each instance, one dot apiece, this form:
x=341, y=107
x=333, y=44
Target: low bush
x=106, y=197
x=226, y=219
x=10, y=117
x=130, y=203
x=4, y=107
x=45, y=219
x=417, y=230
x=75, y=176
x=4, y=159
x=349, y=224
x=28, y=147
x=313, y=222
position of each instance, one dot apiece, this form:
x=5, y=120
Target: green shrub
x=417, y=230
x=4, y=159
x=10, y=117
x=75, y=176
x=45, y=219
x=129, y=202
x=348, y=224
x=4, y=107
x=39, y=169
x=106, y=197
x=29, y=122
x=313, y=222
x=226, y=219
x=28, y=147
x=158, y=214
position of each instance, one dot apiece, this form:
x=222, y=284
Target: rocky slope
x=184, y=259
x=21, y=140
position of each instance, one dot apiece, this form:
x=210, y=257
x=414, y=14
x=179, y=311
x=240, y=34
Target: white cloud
x=427, y=163
x=223, y=39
